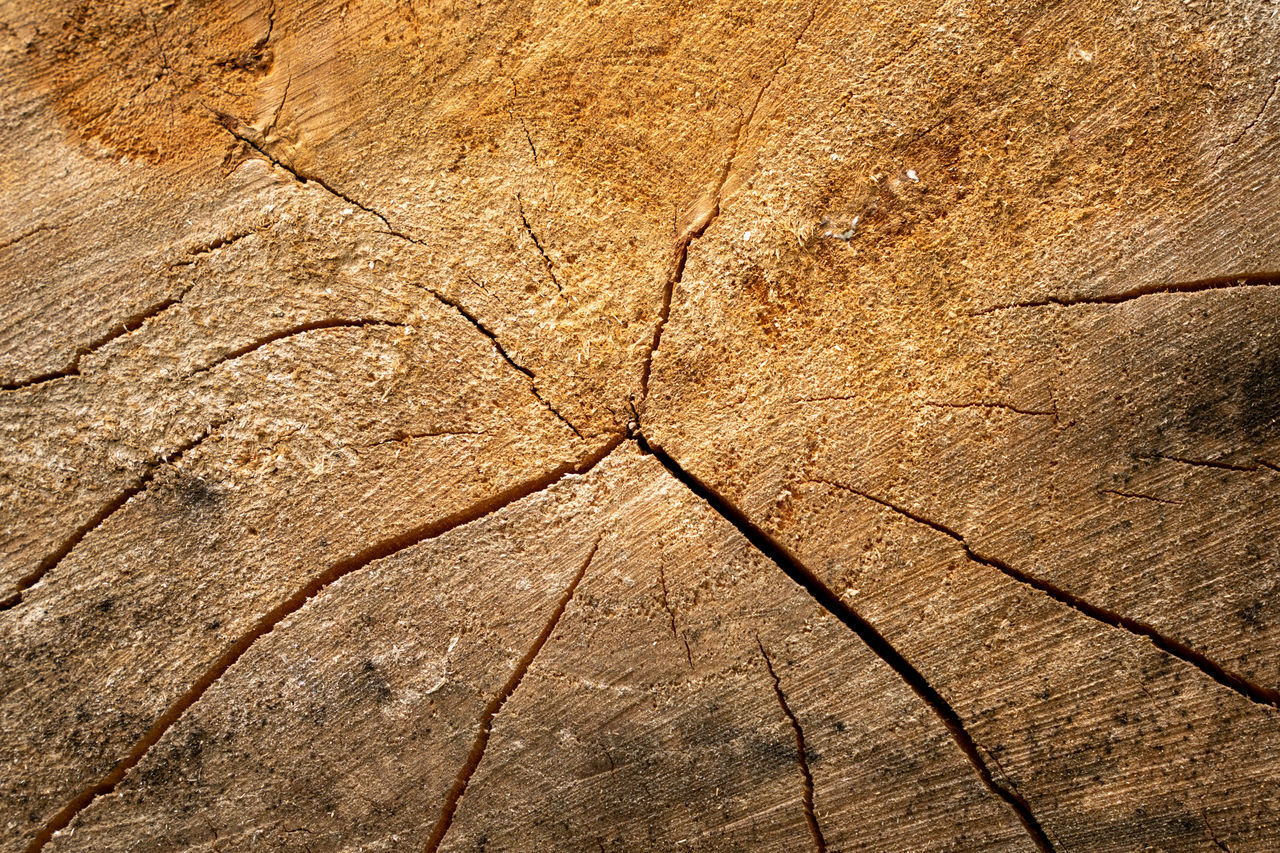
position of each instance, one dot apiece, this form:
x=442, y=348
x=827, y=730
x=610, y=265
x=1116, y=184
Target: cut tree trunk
x=616, y=426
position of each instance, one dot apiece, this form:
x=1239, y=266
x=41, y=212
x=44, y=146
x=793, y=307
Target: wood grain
x=639, y=426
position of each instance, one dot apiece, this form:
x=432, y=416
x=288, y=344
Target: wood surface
x=611, y=425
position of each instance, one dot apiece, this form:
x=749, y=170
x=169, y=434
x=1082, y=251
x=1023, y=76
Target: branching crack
x=139, y=485
x=501, y=350
x=495, y=704
x=528, y=229
x=268, y=621
x=802, y=754
x=129, y=324
x=1232, y=680
x=824, y=596
x=294, y=331
x=1229, y=282
x=758, y=537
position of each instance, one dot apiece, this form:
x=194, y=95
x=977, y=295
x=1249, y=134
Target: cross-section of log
x=697, y=745
x=616, y=426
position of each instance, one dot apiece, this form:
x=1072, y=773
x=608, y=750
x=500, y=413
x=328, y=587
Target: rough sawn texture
x=619, y=426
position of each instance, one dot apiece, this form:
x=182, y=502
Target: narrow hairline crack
x=104, y=513
x=665, y=601
x=819, y=843
x=879, y=645
x=1275, y=86
x=30, y=232
x=1138, y=495
x=494, y=707
x=985, y=404
x=1213, y=835
x=1226, y=282
x=826, y=398
x=523, y=126
x=1232, y=680
x=546, y=259
x=258, y=142
x=268, y=621
x=502, y=351
x=407, y=437
x=1207, y=463
x=196, y=252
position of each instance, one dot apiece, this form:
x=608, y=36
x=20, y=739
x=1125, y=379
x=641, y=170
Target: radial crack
x=129, y=324
x=1227, y=282
x=698, y=226
x=1232, y=680
x=268, y=621
x=491, y=710
x=294, y=331
x=825, y=597
x=695, y=230
x=50, y=562
x=802, y=755
x=501, y=350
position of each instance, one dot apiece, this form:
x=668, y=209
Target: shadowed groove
x=1225, y=282
x=1232, y=680
x=885, y=650
x=802, y=754
x=50, y=562
x=494, y=706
